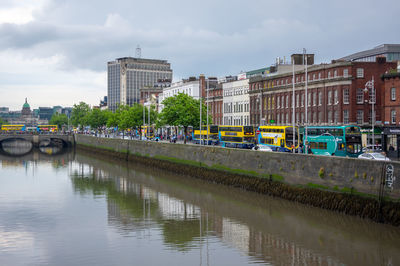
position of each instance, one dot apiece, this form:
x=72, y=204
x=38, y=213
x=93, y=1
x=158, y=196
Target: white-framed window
x=335, y=73
x=346, y=96
x=319, y=117
x=360, y=96
x=335, y=97
x=278, y=102
x=329, y=74
x=345, y=116
x=345, y=72
x=319, y=75
x=360, y=72
x=320, y=98
x=360, y=116
x=329, y=97
x=297, y=100
x=335, y=116
x=302, y=118
x=314, y=99
x=313, y=76
x=314, y=117
x=302, y=100
x=393, y=94
x=329, y=116
x=309, y=99
x=283, y=101
x=393, y=116
x=287, y=101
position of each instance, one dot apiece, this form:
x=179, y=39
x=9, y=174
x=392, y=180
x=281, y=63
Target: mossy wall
x=336, y=174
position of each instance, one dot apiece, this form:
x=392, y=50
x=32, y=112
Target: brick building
x=215, y=103
x=391, y=114
x=336, y=94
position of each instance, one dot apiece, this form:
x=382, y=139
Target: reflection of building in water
x=173, y=208
x=235, y=234
x=278, y=250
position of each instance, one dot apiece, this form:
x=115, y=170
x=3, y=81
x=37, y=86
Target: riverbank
x=345, y=185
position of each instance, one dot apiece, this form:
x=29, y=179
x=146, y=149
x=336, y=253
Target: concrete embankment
x=352, y=186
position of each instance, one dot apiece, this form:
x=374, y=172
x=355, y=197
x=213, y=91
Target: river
x=75, y=208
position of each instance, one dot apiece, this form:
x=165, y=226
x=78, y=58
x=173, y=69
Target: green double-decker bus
x=333, y=140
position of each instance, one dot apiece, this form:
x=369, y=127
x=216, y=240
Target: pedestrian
x=391, y=148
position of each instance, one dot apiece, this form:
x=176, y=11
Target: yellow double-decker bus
x=237, y=136
x=279, y=138
x=13, y=128
x=47, y=128
x=209, y=135
x=148, y=132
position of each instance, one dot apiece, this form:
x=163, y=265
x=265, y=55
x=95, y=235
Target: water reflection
x=16, y=147
x=192, y=215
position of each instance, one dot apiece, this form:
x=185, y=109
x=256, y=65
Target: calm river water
x=76, y=209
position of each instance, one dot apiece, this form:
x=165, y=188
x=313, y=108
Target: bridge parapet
x=36, y=139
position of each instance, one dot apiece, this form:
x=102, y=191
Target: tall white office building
x=127, y=75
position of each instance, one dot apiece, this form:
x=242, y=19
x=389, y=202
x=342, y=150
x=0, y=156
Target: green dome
x=26, y=104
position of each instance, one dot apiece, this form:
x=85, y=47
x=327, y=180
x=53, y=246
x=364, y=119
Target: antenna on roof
x=138, y=52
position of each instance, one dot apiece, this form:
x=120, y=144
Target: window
x=360, y=116
x=329, y=97
x=346, y=95
x=302, y=100
x=393, y=94
x=345, y=72
x=283, y=101
x=278, y=101
x=319, y=75
x=287, y=101
x=393, y=116
x=360, y=72
x=335, y=116
x=329, y=116
x=335, y=73
x=320, y=98
x=345, y=116
x=360, y=96
x=297, y=100
x=314, y=98
x=335, y=97
x=329, y=74
x=319, y=117
x=315, y=117
x=309, y=99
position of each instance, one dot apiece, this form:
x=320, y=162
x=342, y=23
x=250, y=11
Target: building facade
x=389, y=51
x=335, y=95
x=215, y=101
x=236, y=103
x=127, y=75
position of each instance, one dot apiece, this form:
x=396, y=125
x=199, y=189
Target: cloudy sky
x=55, y=51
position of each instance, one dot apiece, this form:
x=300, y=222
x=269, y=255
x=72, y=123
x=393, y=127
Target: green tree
x=59, y=120
x=79, y=114
x=96, y=118
x=1, y=121
x=183, y=110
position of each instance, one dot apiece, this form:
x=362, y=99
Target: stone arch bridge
x=36, y=140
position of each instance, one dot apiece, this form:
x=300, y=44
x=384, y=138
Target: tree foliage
x=183, y=110
x=96, y=118
x=59, y=120
x=79, y=114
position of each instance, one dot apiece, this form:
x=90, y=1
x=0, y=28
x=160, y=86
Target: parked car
x=262, y=148
x=372, y=148
x=374, y=156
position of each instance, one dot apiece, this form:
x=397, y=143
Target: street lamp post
x=372, y=96
x=208, y=85
x=306, y=101
x=293, y=109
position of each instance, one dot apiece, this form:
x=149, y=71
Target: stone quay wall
x=349, y=185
